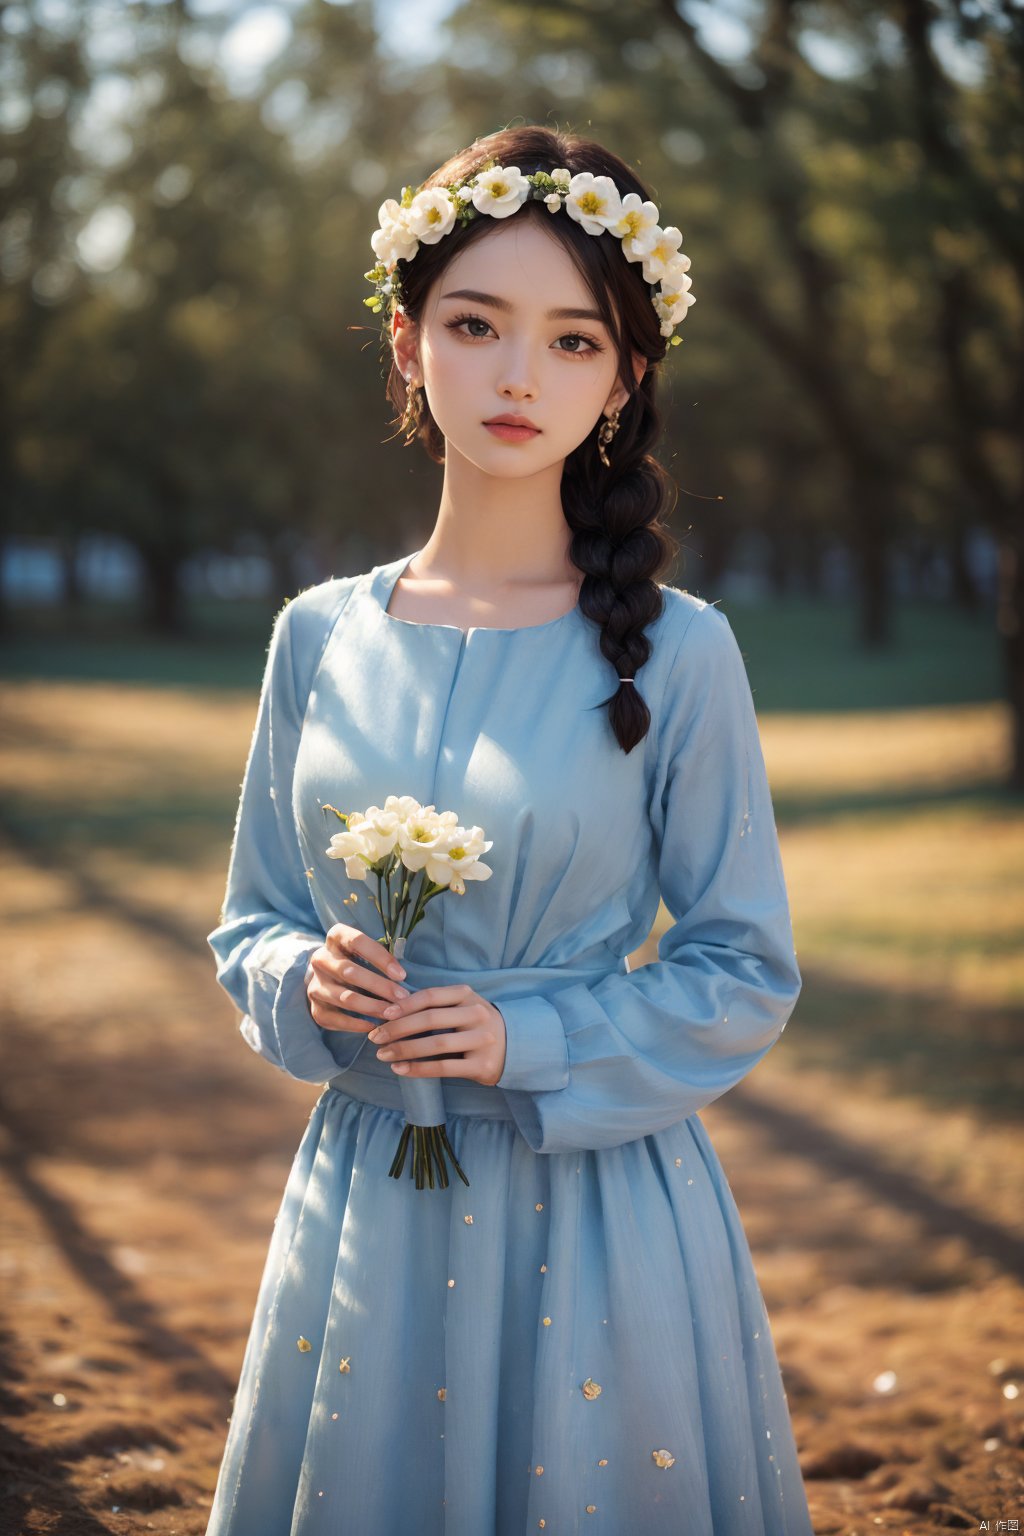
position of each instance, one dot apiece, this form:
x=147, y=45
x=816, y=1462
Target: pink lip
x=510, y=419
x=515, y=430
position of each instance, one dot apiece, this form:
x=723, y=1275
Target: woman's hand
x=340, y=983
x=475, y=1033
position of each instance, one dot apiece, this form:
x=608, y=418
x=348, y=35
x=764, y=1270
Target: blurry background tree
x=189, y=365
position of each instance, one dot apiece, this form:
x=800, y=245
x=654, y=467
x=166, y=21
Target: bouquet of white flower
x=413, y=853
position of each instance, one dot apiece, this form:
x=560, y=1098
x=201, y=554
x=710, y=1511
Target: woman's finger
x=358, y=944
x=464, y=1016
x=349, y=975
x=432, y=997
x=336, y=1008
x=432, y=1045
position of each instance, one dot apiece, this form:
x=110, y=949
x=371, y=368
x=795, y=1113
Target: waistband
x=372, y=1082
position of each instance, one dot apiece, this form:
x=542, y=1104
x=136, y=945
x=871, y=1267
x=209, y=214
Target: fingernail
x=389, y=1013
x=401, y=991
x=399, y=1066
x=376, y=1035
x=395, y=970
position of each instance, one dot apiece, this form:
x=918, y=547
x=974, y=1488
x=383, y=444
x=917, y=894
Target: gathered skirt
x=576, y=1342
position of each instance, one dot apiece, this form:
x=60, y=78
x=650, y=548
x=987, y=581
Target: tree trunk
x=965, y=589
x=71, y=585
x=162, y=612
x=1010, y=623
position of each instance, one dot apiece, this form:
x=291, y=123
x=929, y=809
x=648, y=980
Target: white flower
x=394, y=239
x=379, y=829
x=421, y=836
x=458, y=860
x=594, y=202
x=403, y=805
x=636, y=220
x=671, y=308
x=658, y=247
x=552, y=202
x=464, y=194
x=354, y=848
x=500, y=191
x=562, y=179
x=431, y=215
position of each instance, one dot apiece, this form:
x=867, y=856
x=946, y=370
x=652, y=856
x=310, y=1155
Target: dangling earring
x=608, y=430
x=413, y=410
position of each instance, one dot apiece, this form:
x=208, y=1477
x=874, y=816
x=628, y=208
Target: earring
x=413, y=410
x=608, y=430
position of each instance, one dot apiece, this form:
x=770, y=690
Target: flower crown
x=427, y=215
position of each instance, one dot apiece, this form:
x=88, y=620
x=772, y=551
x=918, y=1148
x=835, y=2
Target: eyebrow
x=503, y=304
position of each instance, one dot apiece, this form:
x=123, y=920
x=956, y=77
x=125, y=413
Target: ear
x=617, y=399
x=405, y=346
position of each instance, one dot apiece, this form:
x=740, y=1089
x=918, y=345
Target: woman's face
x=490, y=343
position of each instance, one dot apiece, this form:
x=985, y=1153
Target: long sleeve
x=594, y=1066
x=269, y=926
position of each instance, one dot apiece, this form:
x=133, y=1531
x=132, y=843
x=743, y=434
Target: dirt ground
x=144, y=1152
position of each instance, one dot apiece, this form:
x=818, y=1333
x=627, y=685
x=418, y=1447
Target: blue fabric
x=604, y=1245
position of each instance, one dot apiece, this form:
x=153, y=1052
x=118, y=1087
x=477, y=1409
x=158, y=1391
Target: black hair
x=619, y=541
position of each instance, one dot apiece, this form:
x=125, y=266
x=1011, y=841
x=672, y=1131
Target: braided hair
x=619, y=541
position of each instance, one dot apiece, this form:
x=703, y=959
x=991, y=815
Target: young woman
x=575, y=1340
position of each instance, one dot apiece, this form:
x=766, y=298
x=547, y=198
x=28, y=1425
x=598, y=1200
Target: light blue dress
x=452, y=1332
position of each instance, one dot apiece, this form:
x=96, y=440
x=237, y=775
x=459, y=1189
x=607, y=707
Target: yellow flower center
x=631, y=224
x=499, y=189
x=456, y=853
x=591, y=203
x=434, y=216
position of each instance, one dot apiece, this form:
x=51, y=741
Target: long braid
x=620, y=544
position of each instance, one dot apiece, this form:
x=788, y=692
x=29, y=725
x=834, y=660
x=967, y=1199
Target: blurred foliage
x=191, y=364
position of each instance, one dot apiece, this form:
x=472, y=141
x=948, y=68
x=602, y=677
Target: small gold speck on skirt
x=334, y=1415
x=679, y=1162
x=442, y=1393
x=547, y=1322
x=304, y=1345
x=543, y=1269
x=538, y=1470
x=603, y=1462
x=468, y=1220
x=451, y=1285
x=591, y=1508
x=590, y=1390
x=663, y=1458
x=539, y=1206
x=344, y=1367
x=542, y=1523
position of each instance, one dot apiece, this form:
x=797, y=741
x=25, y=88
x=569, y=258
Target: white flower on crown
x=594, y=202
x=658, y=247
x=431, y=215
x=675, y=279
x=635, y=224
x=394, y=239
x=500, y=191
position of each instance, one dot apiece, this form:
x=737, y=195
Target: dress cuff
x=536, y=1050
x=309, y=1053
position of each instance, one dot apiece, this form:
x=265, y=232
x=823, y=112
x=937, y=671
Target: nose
x=517, y=379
